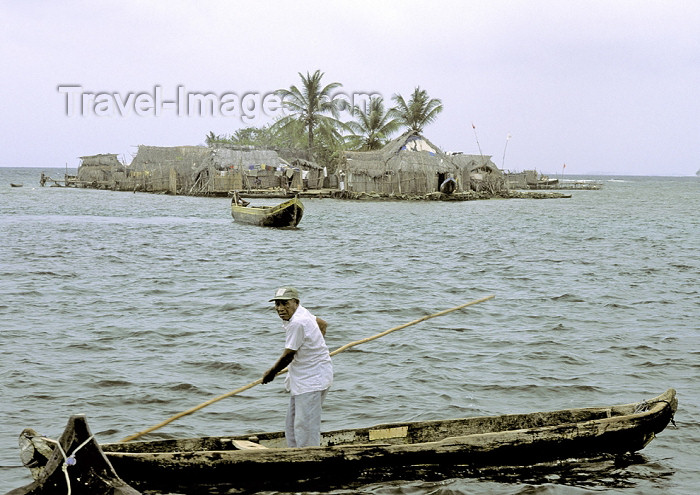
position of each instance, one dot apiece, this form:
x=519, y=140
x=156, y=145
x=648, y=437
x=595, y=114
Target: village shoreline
x=435, y=196
x=409, y=168
x=71, y=181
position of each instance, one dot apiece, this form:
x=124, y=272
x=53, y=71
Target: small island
x=311, y=153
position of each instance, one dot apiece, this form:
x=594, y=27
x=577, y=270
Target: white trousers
x=303, y=424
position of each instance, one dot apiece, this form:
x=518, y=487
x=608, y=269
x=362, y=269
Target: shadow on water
x=604, y=473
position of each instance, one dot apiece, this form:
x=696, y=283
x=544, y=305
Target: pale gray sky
x=601, y=86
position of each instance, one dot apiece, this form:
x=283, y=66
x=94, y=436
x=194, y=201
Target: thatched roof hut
x=313, y=175
x=478, y=172
x=172, y=168
x=99, y=168
x=101, y=160
x=410, y=164
x=184, y=159
x=266, y=168
x=216, y=170
x=239, y=167
x=474, y=163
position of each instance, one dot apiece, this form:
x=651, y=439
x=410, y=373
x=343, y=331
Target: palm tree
x=418, y=112
x=212, y=139
x=309, y=106
x=261, y=137
x=372, y=129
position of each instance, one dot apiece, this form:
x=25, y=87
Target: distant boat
x=12, y=184
x=448, y=186
x=287, y=214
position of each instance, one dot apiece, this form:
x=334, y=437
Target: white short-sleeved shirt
x=311, y=369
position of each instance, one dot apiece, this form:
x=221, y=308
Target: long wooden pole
x=400, y=327
x=337, y=351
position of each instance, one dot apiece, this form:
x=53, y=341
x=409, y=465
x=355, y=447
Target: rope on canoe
x=68, y=460
x=645, y=405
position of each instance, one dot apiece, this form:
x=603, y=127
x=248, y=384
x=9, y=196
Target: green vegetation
x=418, y=112
x=313, y=122
x=309, y=108
x=373, y=128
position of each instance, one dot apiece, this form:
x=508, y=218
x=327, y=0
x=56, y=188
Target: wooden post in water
x=173, y=181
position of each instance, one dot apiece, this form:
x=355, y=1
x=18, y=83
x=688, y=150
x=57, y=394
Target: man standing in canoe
x=310, y=368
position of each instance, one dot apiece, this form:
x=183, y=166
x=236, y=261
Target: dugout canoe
x=448, y=186
x=78, y=467
x=287, y=214
x=260, y=460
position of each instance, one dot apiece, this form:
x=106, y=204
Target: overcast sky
x=608, y=86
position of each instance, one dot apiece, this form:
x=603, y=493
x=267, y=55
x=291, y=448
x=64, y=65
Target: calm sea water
x=130, y=308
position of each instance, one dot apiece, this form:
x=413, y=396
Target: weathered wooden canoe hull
x=510, y=440
x=287, y=214
x=88, y=472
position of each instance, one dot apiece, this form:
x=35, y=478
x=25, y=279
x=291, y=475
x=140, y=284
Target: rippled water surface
x=130, y=308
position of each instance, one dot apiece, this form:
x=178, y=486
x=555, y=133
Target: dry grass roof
x=473, y=162
x=410, y=152
x=101, y=160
